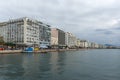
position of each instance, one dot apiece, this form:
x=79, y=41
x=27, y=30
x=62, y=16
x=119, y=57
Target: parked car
x=1, y=49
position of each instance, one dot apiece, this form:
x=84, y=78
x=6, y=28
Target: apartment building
x=57, y=37
x=78, y=43
x=70, y=39
x=26, y=31
x=84, y=44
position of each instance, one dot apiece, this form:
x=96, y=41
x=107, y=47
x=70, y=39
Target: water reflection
x=70, y=65
x=11, y=66
x=36, y=65
x=32, y=66
x=58, y=62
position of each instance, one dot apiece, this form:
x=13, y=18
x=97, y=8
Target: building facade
x=84, y=44
x=78, y=43
x=57, y=37
x=26, y=31
x=70, y=40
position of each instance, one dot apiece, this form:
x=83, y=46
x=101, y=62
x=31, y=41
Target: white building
x=96, y=45
x=70, y=40
x=84, y=44
x=78, y=43
x=26, y=31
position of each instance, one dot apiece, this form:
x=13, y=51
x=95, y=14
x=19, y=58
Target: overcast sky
x=94, y=20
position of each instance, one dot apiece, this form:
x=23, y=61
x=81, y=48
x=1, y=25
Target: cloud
x=117, y=28
x=105, y=31
x=108, y=32
x=100, y=30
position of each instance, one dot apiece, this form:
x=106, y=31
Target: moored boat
x=28, y=50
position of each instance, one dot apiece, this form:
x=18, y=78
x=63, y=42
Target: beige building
x=57, y=37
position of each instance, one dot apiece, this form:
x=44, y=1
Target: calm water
x=70, y=65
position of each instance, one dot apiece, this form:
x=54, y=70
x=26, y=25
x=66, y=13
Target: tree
x=9, y=44
x=1, y=40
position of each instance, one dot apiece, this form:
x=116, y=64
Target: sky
x=94, y=20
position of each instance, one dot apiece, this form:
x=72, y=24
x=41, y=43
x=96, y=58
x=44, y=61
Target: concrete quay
x=39, y=51
x=53, y=50
x=10, y=51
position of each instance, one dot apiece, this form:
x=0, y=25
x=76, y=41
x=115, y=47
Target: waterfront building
x=70, y=40
x=1, y=40
x=89, y=44
x=102, y=46
x=57, y=38
x=92, y=45
x=26, y=31
x=84, y=44
x=96, y=45
x=78, y=43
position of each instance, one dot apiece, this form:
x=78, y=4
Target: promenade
x=39, y=51
x=10, y=51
